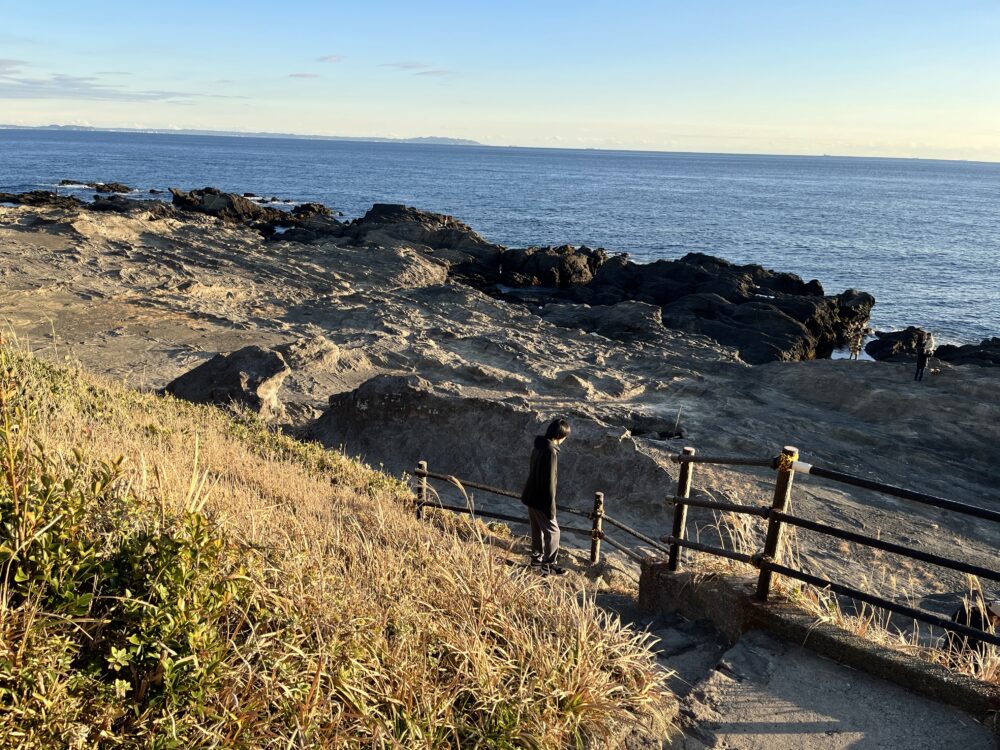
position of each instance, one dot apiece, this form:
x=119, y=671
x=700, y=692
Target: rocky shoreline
x=404, y=336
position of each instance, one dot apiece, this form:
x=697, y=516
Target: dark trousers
x=544, y=537
x=919, y=374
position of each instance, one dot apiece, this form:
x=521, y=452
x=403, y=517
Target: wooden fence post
x=421, y=488
x=598, y=529
x=782, y=497
x=680, y=510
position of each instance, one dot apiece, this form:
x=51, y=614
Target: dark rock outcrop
x=765, y=314
x=250, y=377
x=309, y=210
x=560, y=267
x=896, y=346
x=110, y=187
x=122, y=205
x=41, y=199
x=229, y=207
x=985, y=354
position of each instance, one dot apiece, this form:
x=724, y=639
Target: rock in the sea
x=110, y=187
x=896, y=345
x=250, y=377
x=226, y=206
x=985, y=354
x=101, y=187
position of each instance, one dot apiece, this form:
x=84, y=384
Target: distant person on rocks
x=540, y=497
x=923, y=351
x=856, y=345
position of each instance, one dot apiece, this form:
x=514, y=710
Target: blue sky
x=866, y=78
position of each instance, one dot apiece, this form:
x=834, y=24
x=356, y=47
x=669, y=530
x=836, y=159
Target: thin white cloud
x=8, y=65
x=331, y=58
x=408, y=65
x=63, y=86
x=437, y=72
x=303, y=75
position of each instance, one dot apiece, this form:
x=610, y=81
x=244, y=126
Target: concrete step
x=765, y=695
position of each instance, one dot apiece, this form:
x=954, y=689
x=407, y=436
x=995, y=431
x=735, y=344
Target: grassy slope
x=171, y=577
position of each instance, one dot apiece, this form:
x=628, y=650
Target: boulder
x=896, y=345
x=985, y=354
x=561, y=267
x=249, y=377
x=229, y=207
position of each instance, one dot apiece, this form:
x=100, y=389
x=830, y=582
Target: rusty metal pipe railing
x=900, y=492
x=878, y=601
x=683, y=458
x=718, y=551
x=424, y=473
x=750, y=510
x=501, y=517
x=898, y=549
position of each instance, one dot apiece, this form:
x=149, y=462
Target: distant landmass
x=431, y=139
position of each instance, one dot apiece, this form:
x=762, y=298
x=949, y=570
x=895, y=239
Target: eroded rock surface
x=387, y=321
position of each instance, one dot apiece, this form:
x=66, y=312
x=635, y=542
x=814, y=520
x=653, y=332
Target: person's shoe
x=536, y=563
x=553, y=570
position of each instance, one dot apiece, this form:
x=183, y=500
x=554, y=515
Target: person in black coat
x=540, y=496
x=923, y=351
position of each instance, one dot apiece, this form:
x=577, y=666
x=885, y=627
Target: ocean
x=922, y=236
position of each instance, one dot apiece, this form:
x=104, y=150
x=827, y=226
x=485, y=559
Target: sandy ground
x=476, y=377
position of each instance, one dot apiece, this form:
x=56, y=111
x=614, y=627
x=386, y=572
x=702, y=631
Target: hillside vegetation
x=171, y=577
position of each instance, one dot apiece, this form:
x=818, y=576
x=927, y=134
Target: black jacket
x=540, y=489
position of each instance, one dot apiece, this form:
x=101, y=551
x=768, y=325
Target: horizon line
x=459, y=142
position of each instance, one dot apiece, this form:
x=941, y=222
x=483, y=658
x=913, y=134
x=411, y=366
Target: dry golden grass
x=745, y=534
x=291, y=599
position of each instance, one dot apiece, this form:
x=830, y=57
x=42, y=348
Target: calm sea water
x=922, y=236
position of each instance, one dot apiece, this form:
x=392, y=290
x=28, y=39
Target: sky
x=876, y=78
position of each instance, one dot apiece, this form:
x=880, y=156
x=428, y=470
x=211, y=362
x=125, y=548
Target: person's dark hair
x=557, y=430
